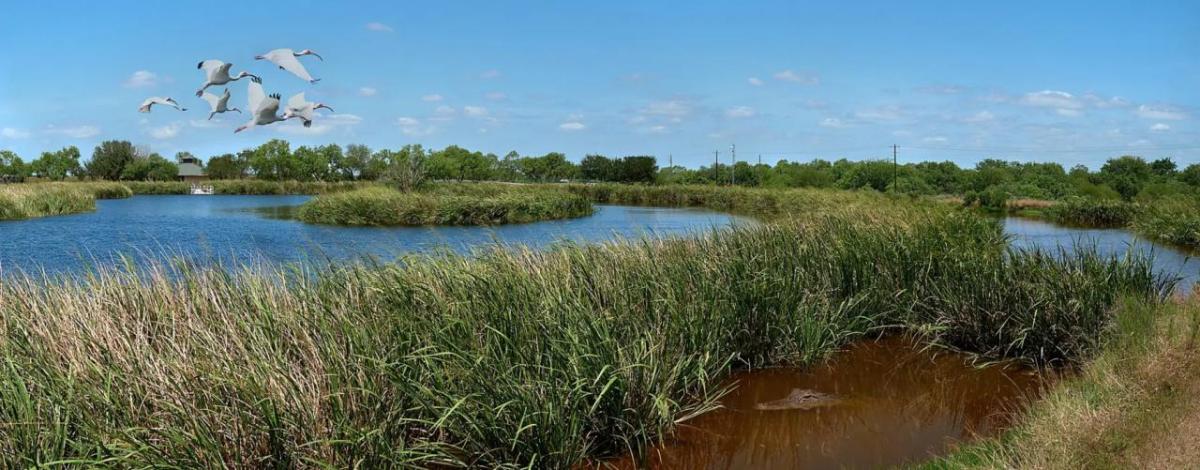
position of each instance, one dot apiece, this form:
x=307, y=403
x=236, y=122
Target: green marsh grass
x=474, y=204
x=510, y=358
x=23, y=201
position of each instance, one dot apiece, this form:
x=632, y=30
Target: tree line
x=1125, y=177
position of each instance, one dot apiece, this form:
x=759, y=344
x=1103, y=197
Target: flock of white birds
x=263, y=108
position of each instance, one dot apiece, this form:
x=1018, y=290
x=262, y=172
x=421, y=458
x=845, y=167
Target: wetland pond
x=253, y=229
x=886, y=402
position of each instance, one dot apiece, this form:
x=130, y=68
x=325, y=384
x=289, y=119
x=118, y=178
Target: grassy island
x=483, y=204
x=25, y=201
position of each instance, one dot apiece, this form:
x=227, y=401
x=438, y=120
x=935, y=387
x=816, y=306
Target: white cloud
x=755, y=81
x=77, y=132
x=432, y=98
x=1101, y=102
x=1161, y=112
x=980, y=117
x=674, y=109
x=13, y=133
x=740, y=112
x=834, y=123
x=413, y=127
x=1063, y=103
x=443, y=113
x=142, y=79
x=207, y=124
x=496, y=96
x=797, y=77
x=166, y=132
x=942, y=89
x=376, y=26
x=1160, y=127
x=475, y=111
x=655, y=130
x=881, y=113
x=367, y=91
x=322, y=124
x=935, y=140
x=572, y=126
x=489, y=74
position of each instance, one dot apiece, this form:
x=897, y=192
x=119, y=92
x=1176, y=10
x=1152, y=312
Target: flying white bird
x=286, y=60
x=153, y=100
x=299, y=107
x=262, y=107
x=219, y=104
x=217, y=73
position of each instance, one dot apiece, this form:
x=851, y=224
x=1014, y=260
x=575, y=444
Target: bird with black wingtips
x=217, y=73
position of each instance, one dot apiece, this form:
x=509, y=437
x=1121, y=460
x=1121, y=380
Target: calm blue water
x=1167, y=260
x=230, y=228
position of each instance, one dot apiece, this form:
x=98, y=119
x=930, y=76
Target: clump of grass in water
x=469, y=205
x=1093, y=213
x=23, y=201
x=511, y=358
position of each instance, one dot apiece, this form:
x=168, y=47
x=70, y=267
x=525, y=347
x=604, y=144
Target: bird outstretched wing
x=270, y=106
x=256, y=95
x=289, y=63
x=297, y=101
x=210, y=65
x=212, y=99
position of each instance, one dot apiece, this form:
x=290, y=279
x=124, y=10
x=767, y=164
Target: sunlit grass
x=486, y=204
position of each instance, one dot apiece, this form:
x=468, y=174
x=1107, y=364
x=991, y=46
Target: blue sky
x=1073, y=82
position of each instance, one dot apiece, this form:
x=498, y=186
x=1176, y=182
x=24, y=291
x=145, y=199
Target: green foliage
x=638, y=169
x=23, y=201
x=489, y=204
x=227, y=167
x=152, y=167
x=110, y=158
x=875, y=175
x=12, y=168
x=1191, y=175
x=57, y=165
x=1174, y=220
x=1126, y=175
x=1102, y=213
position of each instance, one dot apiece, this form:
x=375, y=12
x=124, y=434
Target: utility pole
x=716, y=166
x=760, y=159
x=670, y=160
x=733, y=174
x=895, y=168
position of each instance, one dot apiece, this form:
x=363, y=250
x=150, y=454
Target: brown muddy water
x=889, y=402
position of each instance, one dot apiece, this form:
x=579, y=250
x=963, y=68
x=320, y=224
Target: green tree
x=152, y=167
x=1126, y=174
x=58, y=165
x=272, y=160
x=1191, y=175
x=110, y=158
x=597, y=168
x=1164, y=167
x=226, y=167
x=12, y=168
x=355, y=164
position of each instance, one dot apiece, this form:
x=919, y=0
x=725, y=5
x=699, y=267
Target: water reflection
x=901, y=403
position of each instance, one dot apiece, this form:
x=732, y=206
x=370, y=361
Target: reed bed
x=1093, y=213
x=1176, y=222
x=24, y=201
x=473, y=204
x=509, y=358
